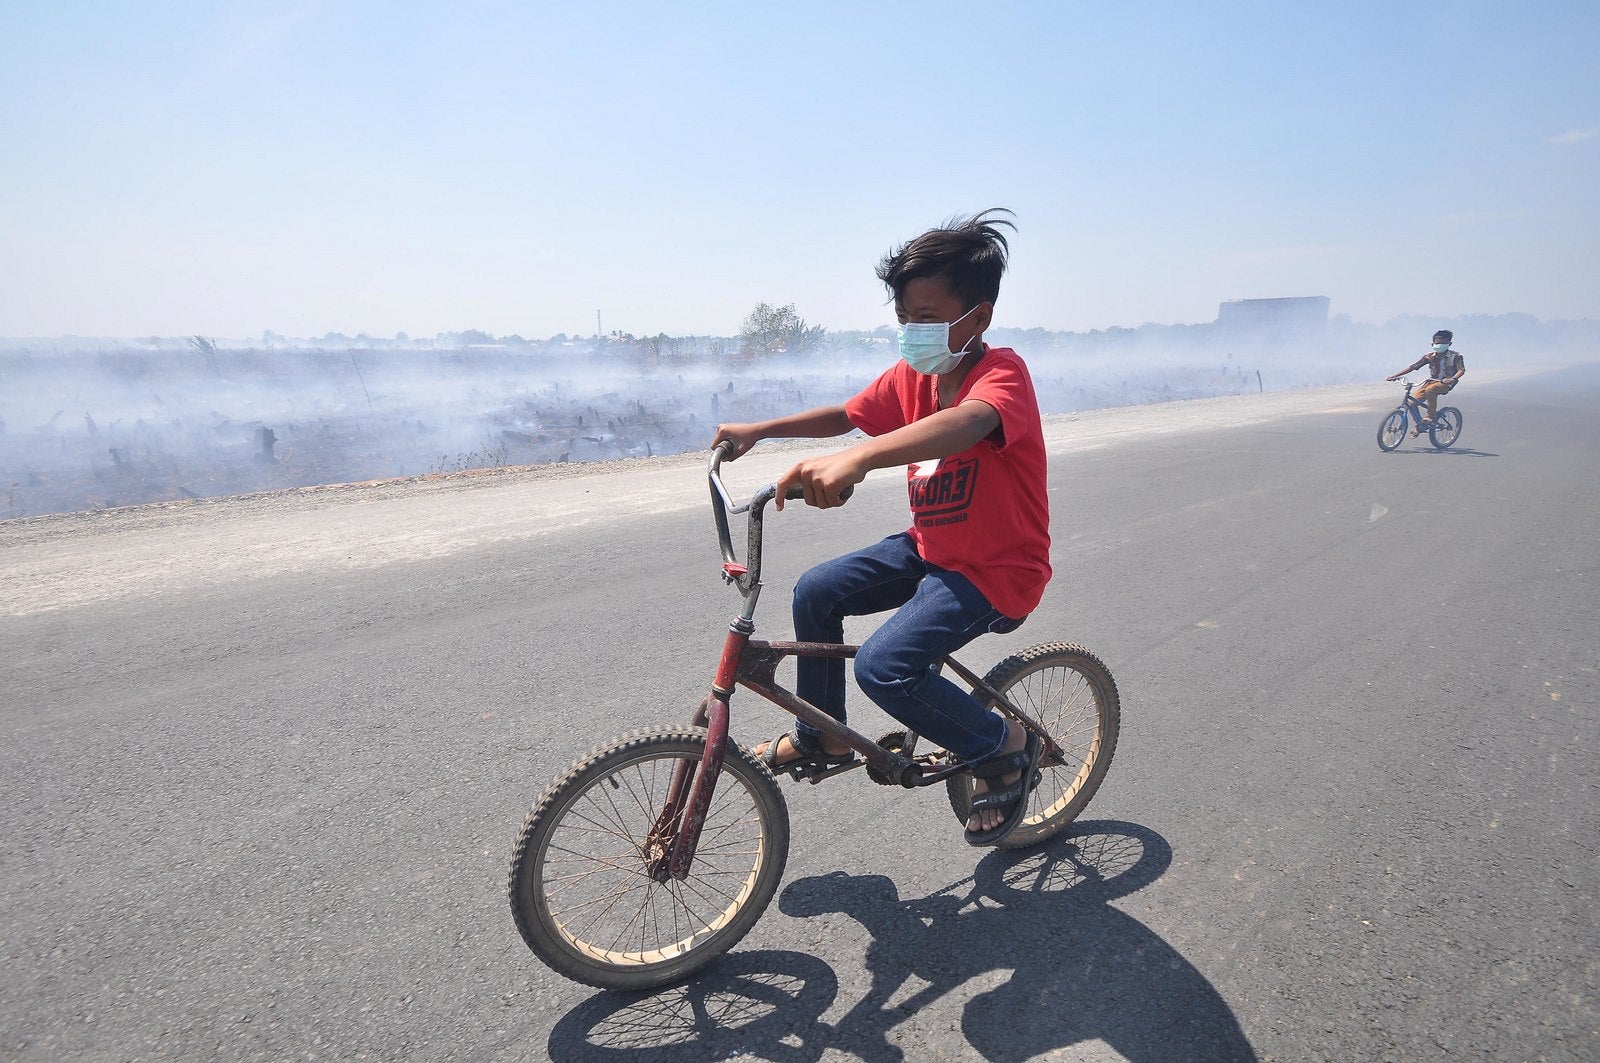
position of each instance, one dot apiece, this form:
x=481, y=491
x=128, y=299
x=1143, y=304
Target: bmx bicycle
x=658, y=851
x=1443, y=430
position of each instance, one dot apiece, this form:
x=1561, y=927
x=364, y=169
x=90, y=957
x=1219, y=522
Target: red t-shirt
x=985, y=512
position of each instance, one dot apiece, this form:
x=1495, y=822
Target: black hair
x=1444, y=334
x=969, y=253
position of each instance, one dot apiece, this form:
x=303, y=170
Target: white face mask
x=1440, y=348
x=925, y=345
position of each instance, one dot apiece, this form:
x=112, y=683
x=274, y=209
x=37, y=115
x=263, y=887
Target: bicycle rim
x=1446, y=428
x=582, y=888
x=1392, y=431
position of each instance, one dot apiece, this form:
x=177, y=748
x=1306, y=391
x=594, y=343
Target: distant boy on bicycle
x=963, y=417
x=1445, y=370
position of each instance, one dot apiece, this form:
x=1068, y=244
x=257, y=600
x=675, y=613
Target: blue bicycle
x=1443, y=430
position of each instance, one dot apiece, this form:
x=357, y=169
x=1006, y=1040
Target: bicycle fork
x=676, y=832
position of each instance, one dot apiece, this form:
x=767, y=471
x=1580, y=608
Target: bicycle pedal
x=815, y=773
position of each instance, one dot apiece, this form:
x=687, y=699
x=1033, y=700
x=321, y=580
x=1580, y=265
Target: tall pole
x=598, y=331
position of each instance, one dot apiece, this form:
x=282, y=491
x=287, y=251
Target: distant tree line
x=771, y=333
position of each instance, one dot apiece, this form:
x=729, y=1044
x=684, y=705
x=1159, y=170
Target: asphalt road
x=263, y=767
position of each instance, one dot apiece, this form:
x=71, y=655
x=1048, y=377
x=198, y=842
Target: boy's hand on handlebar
x=741, y=436
x=826, y=481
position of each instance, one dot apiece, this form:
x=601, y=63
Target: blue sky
x=223, y=168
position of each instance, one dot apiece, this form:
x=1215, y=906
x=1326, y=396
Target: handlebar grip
x=798, y=494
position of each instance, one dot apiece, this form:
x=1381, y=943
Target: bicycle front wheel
x=1446, y=428
x=1392, y=432
x=1071, y=695
x=585, y=888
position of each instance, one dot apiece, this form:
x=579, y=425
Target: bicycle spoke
x=596, y=876
x=1063, y=701
x=623, y=931
x=606, y=901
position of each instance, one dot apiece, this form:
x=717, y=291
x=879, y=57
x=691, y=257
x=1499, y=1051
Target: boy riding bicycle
x=1445, y=370
x=963, y=418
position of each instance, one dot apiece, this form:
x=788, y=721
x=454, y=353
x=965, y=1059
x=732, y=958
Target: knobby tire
x=1392, y=432
x=581, y=890
x=1067, y=691
x=1446, y=428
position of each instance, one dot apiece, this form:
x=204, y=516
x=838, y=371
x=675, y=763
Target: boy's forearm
x=812, y=424
x=939, y=436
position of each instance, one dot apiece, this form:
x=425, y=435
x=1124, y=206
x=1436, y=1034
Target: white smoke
x=88, y=424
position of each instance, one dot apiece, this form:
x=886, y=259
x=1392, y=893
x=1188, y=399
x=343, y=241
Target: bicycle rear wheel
x=1446, y=428
x=582, y=889
x=1068, y=692
x=1392, y=432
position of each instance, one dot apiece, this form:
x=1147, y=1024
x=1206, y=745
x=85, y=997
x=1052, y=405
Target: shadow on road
x=1078, y=970
x=768, y=1003
x=1459, y=452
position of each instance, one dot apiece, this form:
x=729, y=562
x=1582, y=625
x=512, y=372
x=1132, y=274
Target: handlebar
x=722, y=507
x=747, y=575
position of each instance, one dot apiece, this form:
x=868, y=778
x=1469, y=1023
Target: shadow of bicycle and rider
x=1064, y=967
x=1456, y=452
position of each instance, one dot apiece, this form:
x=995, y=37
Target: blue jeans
x=941, y=612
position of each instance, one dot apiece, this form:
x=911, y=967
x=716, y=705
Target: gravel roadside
x=75, y=559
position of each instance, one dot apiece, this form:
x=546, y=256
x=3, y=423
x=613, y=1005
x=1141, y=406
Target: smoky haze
x=90, y=424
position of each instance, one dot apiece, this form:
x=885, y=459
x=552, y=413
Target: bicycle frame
x=1413, y=409
x=752, y=664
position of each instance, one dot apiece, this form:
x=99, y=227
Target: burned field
x=84, y=430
